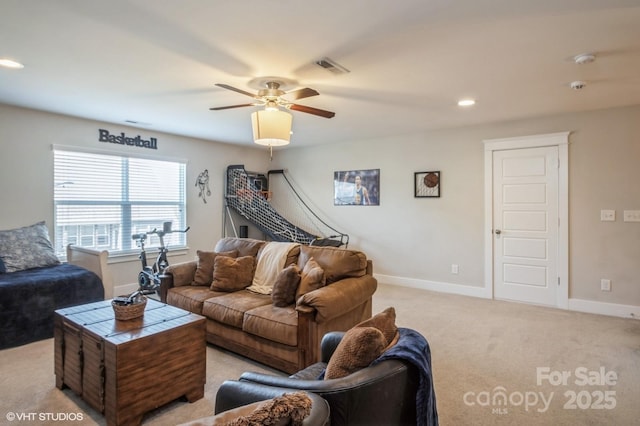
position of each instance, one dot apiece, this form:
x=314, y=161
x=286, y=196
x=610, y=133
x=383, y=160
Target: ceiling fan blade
x=226, y=86
x=230, y=106
x=300, y=93
x=311, y=110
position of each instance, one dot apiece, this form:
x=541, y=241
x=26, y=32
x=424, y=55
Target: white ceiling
x=156, y=61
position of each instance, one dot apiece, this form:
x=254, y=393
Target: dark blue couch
x=29, y=298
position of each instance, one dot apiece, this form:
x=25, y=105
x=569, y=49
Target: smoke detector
x=584, y=58
x=578, y=85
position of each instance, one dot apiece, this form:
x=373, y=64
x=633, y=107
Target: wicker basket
x=130, y=311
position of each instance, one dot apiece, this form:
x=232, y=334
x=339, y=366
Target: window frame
x=127, y=225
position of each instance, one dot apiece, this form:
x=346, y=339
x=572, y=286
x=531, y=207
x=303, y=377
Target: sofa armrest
x=368, y=376
x=337, y=298
x=95, y=261
x=181, y=274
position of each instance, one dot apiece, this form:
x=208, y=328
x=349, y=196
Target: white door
x=525, y=225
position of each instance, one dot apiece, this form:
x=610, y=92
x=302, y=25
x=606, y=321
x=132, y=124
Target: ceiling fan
x=272, y=96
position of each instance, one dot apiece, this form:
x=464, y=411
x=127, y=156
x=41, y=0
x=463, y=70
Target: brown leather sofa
x=286, y=338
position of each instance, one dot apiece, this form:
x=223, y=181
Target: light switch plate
x=631, y=216
x=607, y=215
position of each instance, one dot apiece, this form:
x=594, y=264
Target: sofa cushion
x=359, y=347
x=245, y=246
x=190, y=298
x=232, y=274
x=204, y=269
x=26, y=248
x=229, y=308
x=273, y=323
x=312, y=278
x=285, y=286
x=337, y=263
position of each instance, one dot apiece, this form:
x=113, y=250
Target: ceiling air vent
x=331, y=65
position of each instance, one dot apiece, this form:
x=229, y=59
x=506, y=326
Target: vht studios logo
x=122, y=139
x=590, y=394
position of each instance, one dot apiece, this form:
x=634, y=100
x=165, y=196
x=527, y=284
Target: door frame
x=561, y=141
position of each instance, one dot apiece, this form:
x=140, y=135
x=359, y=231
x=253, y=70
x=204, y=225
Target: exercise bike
x=149, y=277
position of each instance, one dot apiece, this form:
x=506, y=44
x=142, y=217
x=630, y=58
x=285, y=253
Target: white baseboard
x=124, y=289
x=578, y=305
x=463, y=290
x=603, y=308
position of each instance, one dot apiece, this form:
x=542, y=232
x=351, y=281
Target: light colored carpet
x=481, y=349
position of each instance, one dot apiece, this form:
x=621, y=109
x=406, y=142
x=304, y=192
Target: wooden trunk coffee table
x=124, y=369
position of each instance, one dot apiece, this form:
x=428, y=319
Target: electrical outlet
x=605, y=285
x=454, y=268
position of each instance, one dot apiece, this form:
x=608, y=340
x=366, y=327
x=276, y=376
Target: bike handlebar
x=143, y=235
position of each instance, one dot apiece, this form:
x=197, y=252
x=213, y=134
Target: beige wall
x=413, y=241
x=26, y=173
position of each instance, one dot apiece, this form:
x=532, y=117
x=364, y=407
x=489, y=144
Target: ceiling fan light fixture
x=271, y=127
x=271, y=106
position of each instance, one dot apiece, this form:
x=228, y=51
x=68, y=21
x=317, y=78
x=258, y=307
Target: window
x=100, y=200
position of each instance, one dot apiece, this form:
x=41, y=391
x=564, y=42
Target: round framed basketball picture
x=427, y=184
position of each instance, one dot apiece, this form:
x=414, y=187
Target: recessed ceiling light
x=466, y=102
x=8, y=63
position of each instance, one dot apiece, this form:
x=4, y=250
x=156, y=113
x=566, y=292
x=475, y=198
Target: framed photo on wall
x=356, y=188
x=426, y=184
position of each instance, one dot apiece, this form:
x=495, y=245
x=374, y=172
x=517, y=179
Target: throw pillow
x=312, y=278
x=384, y=321
x=359, y=347
x=27, y=247
x=347, y=359
x=285, y=286
x=232, y=274
x=204, y=270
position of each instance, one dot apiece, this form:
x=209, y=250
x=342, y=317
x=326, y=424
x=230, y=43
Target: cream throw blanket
x=271, y=261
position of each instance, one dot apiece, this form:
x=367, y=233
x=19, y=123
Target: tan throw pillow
x=359, y=347
x=346, y=360
x=231, y=274
x=312, y=278
x=285, y=286
x=204, y=270
x=384, y=321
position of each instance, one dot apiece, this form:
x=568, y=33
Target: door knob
x=498, y=232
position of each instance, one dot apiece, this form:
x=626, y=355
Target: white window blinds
x=101, y=200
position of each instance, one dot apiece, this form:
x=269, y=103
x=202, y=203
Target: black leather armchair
x=382, y=394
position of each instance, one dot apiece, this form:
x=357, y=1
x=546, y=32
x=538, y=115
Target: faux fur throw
x=288, y=409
